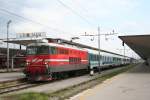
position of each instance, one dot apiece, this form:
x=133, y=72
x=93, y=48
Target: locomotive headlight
x=46, y=63
x=27, y=63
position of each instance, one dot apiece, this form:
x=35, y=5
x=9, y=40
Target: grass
x=28, y=96
x=11, y=83
x=69, y=91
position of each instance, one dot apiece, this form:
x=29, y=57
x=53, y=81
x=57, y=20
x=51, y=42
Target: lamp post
x=8, y=44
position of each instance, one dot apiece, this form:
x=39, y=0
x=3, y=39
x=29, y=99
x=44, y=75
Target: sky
x=71, y=18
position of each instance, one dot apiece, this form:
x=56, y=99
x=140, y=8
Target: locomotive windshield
x=34, y=50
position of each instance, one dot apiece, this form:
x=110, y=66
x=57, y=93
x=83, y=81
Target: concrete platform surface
x=11, y=70
x=132, y=85
x=11, y=76
x=61, y=84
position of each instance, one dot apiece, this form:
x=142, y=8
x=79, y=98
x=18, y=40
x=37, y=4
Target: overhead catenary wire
x=66, y=6
x=27, y=19
x=83, y=9
x=75, y=12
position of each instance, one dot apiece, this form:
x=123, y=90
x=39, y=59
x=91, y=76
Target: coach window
x=97, y=57
x=59, y=50
x=107, y=59
x=92, y=57
x=53, y=50
x=100, y=57
x=104, y=58
x=63, y=52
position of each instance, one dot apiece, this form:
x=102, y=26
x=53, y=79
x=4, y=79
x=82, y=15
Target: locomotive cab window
x=53, y=50
x=43, y=50
x=33, y=50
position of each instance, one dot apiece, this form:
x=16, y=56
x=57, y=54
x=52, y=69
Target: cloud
x=51, y=13
x=59, y=21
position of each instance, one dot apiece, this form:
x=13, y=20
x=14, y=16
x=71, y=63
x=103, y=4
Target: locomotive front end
x=37, y=63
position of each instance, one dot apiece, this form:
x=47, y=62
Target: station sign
x=31, y=35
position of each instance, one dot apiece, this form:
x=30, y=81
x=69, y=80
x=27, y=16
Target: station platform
x=132, y=85
x=11, y=70
x=8, y=76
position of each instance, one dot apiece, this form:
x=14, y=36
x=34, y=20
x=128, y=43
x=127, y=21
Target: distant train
x=48, y=61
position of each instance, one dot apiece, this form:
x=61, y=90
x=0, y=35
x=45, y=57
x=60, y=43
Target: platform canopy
x=25, y=41
x=139, y=43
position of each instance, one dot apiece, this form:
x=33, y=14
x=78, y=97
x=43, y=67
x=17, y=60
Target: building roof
x=139, y=43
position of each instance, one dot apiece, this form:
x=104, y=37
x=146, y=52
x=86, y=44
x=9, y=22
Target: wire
x=80, y=6
x=15, y=5
x=27, y=19
x=75, y=12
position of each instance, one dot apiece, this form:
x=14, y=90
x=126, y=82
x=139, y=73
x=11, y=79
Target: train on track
x=49, y=61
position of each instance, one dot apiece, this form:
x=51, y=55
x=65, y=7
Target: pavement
x=61, y=84
x=11, y=76
x=11, y=70
x=132, y=85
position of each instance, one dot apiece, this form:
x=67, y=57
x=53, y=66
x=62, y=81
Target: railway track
x=14, y=85
x=19, y=84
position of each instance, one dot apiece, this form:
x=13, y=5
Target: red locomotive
x=47, y=61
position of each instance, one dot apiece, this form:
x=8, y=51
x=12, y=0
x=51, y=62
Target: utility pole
x=99, y=46
x=8, y=44
x=99, y=43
